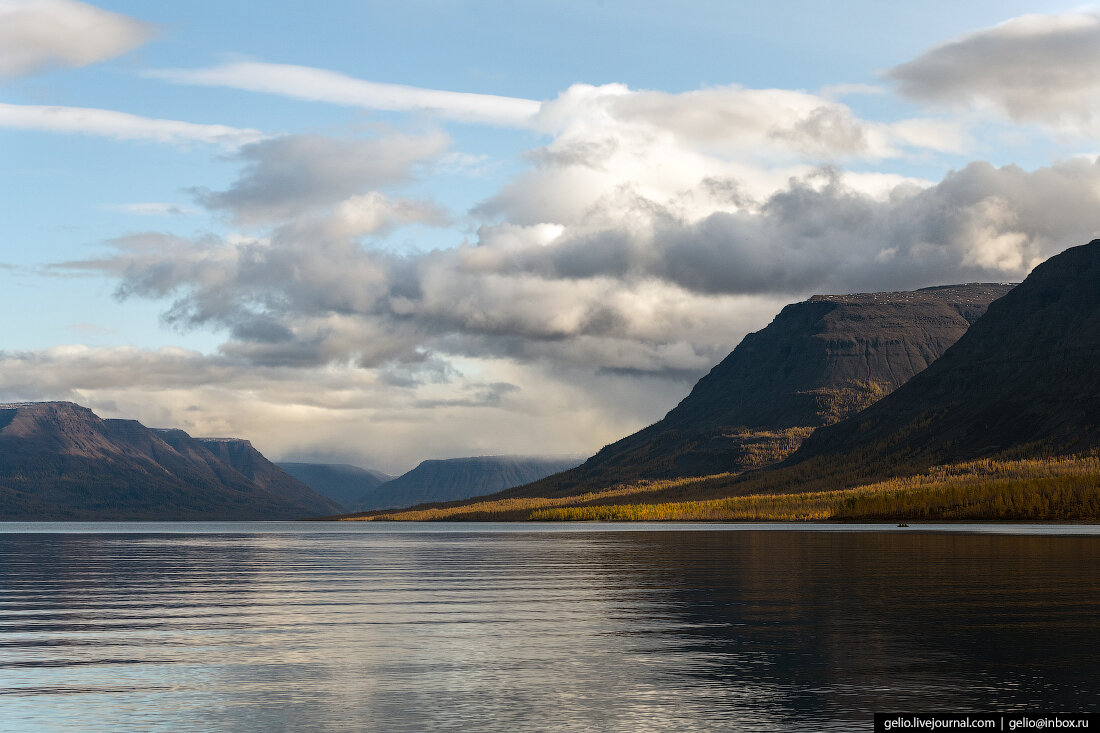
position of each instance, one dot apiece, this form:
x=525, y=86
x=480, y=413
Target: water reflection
x=663, y=630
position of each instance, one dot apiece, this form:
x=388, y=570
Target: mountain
x=1023, y=380
x=60, y=461
x=341, y=482
x=817, y=362
x=1004, y=426
x=452, y=479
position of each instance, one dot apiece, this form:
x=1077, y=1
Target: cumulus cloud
x=1033, y=69
x=980, y=223
x=286, y=176
x=120, y=125
x=735, y=118
x=654, y=292
x=37, y=35
x=696, y=153
x=320, y=85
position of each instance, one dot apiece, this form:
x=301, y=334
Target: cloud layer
x=293, y=174
x=120, y=125
x=1033, y=69
x=321, y=85
x=38, y=35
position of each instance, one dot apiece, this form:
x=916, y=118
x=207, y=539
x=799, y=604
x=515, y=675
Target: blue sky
x=279, y=221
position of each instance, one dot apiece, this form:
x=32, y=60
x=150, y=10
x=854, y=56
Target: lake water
x=399, y=627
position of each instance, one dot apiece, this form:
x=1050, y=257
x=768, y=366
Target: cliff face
x=59, y=460
x=252, y=464
x=816, y=363
x=460, y=478
x=1024, y=378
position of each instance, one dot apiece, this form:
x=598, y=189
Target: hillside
x=59, y=460
x=1005, y=425
x=817, y=362
x=460, y=478
x=341, y=482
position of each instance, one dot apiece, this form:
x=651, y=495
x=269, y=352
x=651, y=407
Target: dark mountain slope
x=460, y=478
x=816, y=363
x=248, y=461
x=341, y=482
x=1025, y=378
x=60, y=461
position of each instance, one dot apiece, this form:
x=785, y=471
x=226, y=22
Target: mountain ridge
x=59, y=460
x=453, y=479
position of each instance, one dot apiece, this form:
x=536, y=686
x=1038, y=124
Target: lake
x=410, y=627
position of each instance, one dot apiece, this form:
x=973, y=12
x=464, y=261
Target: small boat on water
x=903, y=524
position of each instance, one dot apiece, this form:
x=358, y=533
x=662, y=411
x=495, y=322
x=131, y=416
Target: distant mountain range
x=60, y=461
x=451, y=479
x=343, y=483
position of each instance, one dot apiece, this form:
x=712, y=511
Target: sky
x=378, y=233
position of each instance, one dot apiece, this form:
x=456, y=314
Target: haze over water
x=337, y=627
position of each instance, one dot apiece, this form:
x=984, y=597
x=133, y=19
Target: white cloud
x=320, y=85
x=752, y=123
x=37, y=35
x=152, y=208
x=120, y=125
x=1032, y=69
x=293, y=174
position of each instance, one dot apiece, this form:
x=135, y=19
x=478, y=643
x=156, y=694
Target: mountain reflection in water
x=299, y=627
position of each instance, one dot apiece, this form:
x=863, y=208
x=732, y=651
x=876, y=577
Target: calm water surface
x=336, y=627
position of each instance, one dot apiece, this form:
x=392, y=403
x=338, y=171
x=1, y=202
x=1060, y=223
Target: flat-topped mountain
x=59, y=460
x=819, y=361
x=1023, y=379
x=341, y=482
x=452, y=479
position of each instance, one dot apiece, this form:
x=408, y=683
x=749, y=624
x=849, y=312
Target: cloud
x=821, y=234
x=651, y=291
x=793, y=121
x=1032, y=69
x=735, y=119
x=286, y=176
x=120, y=125
x=696, y=153
x=151, y=208
x=320, y=85
x=38, y=35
